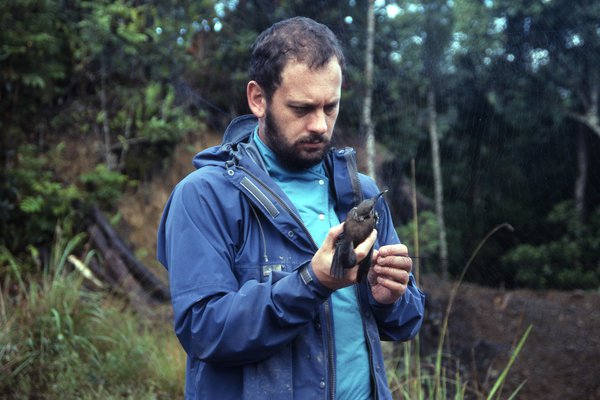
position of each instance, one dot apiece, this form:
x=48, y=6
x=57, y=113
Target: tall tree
x=557, y=47
x=367, y=121
x=438, y=27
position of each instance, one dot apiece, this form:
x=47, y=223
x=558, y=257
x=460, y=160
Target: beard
x=293, y=155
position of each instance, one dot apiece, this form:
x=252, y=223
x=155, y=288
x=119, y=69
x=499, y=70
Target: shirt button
x=318, y=325
x=321, y=182
x=322, y=385
x=322, y=217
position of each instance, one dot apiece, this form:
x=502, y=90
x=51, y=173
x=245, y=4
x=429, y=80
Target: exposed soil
x=560, y=359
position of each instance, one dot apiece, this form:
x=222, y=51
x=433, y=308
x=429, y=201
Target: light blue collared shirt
x=309, y=191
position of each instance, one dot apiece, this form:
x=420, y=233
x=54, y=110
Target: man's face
x=299, y=119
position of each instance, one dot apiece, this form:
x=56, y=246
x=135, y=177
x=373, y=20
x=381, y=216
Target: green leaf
x=31, y=205
x=33, y=80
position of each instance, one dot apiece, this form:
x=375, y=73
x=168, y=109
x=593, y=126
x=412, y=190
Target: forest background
x=494, y=102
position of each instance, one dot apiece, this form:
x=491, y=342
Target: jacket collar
x=340, y=164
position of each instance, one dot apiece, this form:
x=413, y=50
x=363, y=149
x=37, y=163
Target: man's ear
x=256, y=99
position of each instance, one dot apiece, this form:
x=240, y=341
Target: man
x=249, y=237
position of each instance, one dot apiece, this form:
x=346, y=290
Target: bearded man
x=248, y=240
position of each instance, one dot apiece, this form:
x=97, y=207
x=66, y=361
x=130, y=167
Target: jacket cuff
x=309, y=279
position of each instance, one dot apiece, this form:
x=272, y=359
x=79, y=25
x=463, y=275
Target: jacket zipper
x=330, y=344
x=375, y=395
x=326, y=306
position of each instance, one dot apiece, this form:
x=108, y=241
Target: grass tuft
x=60, y=340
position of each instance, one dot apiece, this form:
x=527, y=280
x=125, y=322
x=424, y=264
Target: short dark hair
x=299, y=39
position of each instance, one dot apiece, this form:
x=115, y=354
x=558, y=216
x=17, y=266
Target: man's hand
x=321, y=261
x=390, y=273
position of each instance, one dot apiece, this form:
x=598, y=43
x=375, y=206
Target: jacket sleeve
x=402, y=319
x=216, y=319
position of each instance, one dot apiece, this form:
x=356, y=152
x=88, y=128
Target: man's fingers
x=393, y=250
x=395, y=274
x=395, y=256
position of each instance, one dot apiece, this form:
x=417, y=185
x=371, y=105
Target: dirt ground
x=561, y=357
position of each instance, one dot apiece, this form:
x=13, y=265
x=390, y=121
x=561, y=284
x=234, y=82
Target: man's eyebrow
x=309, y=104
x=301, y=103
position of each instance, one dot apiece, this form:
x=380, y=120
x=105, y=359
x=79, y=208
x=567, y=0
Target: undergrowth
x=61, y=340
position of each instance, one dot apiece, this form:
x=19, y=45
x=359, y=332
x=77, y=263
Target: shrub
x=33, y=201
x=569, y=261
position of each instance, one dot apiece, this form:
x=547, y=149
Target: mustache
x=314, y=139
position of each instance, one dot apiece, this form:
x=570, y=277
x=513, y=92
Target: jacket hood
x=238, y=132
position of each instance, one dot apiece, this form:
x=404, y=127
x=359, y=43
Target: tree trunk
x=367, y=104
x=108, y=158
x=582, y=172
x=590, y=116
x=126, y=138
x=437, y=180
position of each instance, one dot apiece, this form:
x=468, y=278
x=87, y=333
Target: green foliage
x=58, y=340
x=32, y=53
x=166, y=122
x=33, y=201
x=569, y=261
x=104, y=187
x=87, y=67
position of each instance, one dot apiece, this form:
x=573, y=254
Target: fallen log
x=117, y=249
x=117, y=272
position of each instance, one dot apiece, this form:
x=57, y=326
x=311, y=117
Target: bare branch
x=586, y=119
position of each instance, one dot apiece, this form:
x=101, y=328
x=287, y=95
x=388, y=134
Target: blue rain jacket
x=248, y=310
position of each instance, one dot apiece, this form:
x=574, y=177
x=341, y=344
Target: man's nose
x=318, y=122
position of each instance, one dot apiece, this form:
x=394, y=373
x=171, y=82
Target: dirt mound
x=560, y=358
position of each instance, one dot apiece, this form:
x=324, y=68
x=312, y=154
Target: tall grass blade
x=500, y=381
x=517, y=390
x=6, y=255
x=61, y=254
x=438, y=360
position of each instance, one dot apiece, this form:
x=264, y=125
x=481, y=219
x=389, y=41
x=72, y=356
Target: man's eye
x=301, y=110
x=330, y=109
